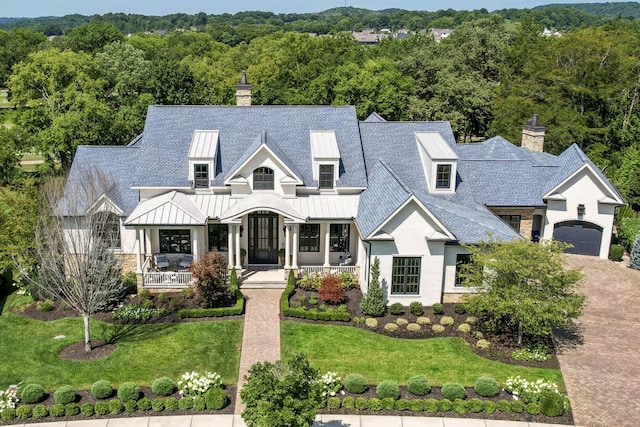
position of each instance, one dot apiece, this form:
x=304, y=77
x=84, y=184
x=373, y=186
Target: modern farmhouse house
x=310, y=188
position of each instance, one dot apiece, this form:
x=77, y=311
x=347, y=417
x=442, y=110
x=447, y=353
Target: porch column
x=294, y=264
x=194, y=243
x=238, y=263
x=138, y=252
x=287, y=250
x=327, y=243
x=230, y=246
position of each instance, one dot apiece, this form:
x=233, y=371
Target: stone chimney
x=243, y=92
x=533, y=135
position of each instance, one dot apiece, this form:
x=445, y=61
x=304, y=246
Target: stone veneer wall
x=526, y=218
x=452, y=298
x=128, y=262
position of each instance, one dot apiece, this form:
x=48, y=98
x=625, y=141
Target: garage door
x=584, y=236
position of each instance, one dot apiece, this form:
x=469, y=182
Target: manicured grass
x=29, y=352
x=347, y=350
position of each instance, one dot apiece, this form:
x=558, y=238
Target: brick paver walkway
x=261, y=336
x=603, y=373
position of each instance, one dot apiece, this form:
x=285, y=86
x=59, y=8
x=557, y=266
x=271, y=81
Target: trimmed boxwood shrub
x=616, y=252
x=355, y=383
x=517, y=406
x=503, y=405
x=101, y=389
x=417, y=405
x=445, y=405
x=56, y=410
x=40, y=411
x=115, y=406
x=185, y=404
x=419, y=385
x=416, y=308
x=71, y=409
x=23, y=412
x=431, y=406
x=333, y=403
x=533, y=408
x=487, y=387
x=489, y=407
x=349, y=402
x=460, y=406
x=388, y=403
x=447, y=321
x=403, y=405
x=388, y=388
x=128, y=391
x=64, y=395
x=101, y=408
x=163, y=386
x=32, y=393
x=552, y=404
x=475, y=405
x=396, y=309
x=361, y=403
x=87, y=409
x=130, y=406
x=8, y=414
x=437, y=308
x=157, y=404
x=144, y=404
x=301, y=313
x=460, y=308
x=216, y=398
x=171, y=404
x=374, y=404
x=453, y=391
x=198, y=403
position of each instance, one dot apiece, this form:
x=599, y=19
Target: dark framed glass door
x=263, y=238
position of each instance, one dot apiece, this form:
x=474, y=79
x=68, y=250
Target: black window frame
x=443, y=177
x=170, y=239
x=201, y=177
x=338, y=239
x=309, y=238
x=404, y=268
x=461, y=259
x=108, y=229
x=512, y=220
x=326, y=177
x=218, y=236
x=263, y=178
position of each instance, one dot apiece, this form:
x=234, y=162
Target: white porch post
x=230, y=246
x=294, y=264
x=238, y=263
x=327, y=243
x=194, y=249
x=138, y=252
x=287, y=249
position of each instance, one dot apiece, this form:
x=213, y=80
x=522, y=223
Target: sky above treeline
x=36, y=8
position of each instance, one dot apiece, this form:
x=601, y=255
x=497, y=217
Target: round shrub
x=144, y=404
x=552, y=404
x=460, y=308
x=419, y=385
x=460, y=406
x=396, y=309
x=471, y=320
x=333, y=403
x=447, y=321
x=198, y=403
x=533, y=408
x=371, y=322
x=64, y=395
x=87, y=409
x=517, y=406
x=374, y=404
x=163, y=386
x=464, y=327
x=101, y=389
x=477, y=335
x=486, y=387
x=216, y=398
x=483, y=344
x=128, y=391
x=503, y=405
x=361, y=403
x=453, y=391
x=8, y=414
x=171, y=404
x=402, y=405
x=185, y=404
x=388, y=388
x=157, y=405
x=32, y=393
x=116, y=407
x=349, y=402
x=489, y=407
x=414, y=327
x=445, y=405
x=40, y=411
x=56, y=410
x=475, y=405
x=23, y=412
x=431, y=406
x=401, y=321
x=391, y=327
x=46, y=305
x=422, y=320
x=416, y=308
x=130, y=406
x=355, y=383
x=616, y=252
x=71, y=409
x=438, y=329
x=437, y=308
x=417, y=405
x=101, y=408
x=388, y=403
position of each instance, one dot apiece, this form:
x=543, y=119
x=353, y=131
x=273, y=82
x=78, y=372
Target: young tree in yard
x=281, y=394
x=523, y=285
x=212, y=287
x=372, y=303
x=635, y=253
x=74, y=240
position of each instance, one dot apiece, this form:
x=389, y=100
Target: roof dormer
x=439, y=161
x=325, y=157
x=202, y=158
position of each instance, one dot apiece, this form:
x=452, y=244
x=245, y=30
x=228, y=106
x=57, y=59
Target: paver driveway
x=603, y=374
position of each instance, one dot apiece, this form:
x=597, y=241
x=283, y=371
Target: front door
x=263, y=238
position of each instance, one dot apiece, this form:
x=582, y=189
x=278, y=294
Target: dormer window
x=263, y=179
x=439, y=162
x=443, y=177
x=326, y=177
x=201, y=175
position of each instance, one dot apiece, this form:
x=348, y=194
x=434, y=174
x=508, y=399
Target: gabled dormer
x=439, y=161
x=202, y=158
x=325, y=158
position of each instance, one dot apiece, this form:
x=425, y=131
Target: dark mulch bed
x=99, y=350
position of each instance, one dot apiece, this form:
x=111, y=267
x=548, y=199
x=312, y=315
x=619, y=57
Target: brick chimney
x=533, y=135
x=243, y=92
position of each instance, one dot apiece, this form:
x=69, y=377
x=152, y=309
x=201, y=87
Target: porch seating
x=186, y=261
x=161, y=261
x=345, y=259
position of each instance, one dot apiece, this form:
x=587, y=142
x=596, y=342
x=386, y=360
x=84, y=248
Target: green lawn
x=347, y=350
x=29, y=352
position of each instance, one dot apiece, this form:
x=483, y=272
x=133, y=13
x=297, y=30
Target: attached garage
x=585, y=237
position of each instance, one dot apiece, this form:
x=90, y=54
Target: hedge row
x=628, y=228
x=186, y=313
x=299, y=313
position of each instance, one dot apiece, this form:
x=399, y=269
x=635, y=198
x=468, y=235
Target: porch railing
x=167, y=279
x=335, y=269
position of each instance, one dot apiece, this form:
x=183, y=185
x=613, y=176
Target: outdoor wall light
x=581, y=210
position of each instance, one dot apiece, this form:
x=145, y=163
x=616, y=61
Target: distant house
x=331, y=193
x=367, y=37
x=440, y=33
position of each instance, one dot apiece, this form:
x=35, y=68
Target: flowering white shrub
x=136, y=312
x=8, y=399
x=532, y=391
x=193, y=384
x=538, y=353
x=22, y=291
x=331, y=384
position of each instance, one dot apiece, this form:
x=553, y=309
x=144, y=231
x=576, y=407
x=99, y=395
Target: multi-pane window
x=309, y=240
x=406, y=275
x=107, y=226
x=325, y=177
x=175, y=241
x=461, y=260
x=263, y=179
x=201, y=175
x=443, y=176
x=339, y=237
x=218, y=237
x=512, y=220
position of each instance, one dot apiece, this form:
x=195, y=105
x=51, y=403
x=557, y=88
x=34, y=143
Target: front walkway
x=602, y=373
